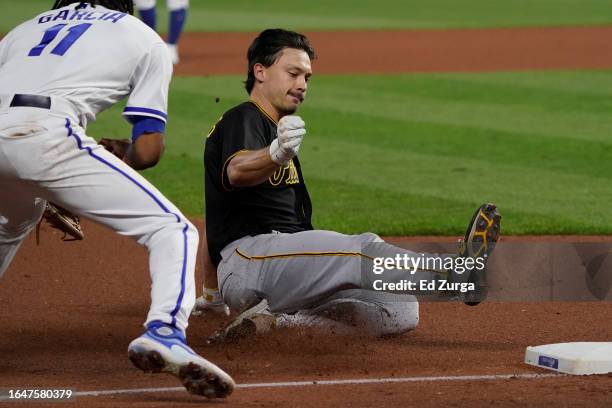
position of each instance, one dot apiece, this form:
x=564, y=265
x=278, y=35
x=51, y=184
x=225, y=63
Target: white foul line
x=492, y=377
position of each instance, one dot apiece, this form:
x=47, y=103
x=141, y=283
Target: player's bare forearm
x=145, y=152
x=210, y=276
x=210, y=271
x=251, y=167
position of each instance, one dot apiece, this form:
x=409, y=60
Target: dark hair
x=266, y=48
x=125, y=6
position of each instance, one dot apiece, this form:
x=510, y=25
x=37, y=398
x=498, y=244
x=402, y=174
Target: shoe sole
x=245, y=328
x=243, y=325
x=196, y=378
x=480, y=239
x=249, y=326
x=483, y=231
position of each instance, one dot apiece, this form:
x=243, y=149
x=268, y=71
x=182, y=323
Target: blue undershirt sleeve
x=145, y=124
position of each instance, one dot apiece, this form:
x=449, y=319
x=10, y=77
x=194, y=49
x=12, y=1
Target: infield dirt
x=379, y=52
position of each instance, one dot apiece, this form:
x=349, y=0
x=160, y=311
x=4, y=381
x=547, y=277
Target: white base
x=581, y=358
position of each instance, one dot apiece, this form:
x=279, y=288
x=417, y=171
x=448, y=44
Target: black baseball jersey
x=281, y=203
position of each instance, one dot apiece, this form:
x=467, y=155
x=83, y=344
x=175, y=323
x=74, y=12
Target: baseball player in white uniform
x=57, y=72
x=177, y=15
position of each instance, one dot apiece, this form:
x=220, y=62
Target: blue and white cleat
x=162, y=348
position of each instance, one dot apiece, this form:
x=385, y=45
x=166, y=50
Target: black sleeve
x=237, y=133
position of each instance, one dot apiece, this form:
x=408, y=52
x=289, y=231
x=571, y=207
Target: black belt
x=31, y=101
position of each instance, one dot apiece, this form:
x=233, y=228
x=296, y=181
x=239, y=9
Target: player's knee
x=192, y=232
x=370, y=237
x=399, y=318
x=410, y=319
x=171, y=228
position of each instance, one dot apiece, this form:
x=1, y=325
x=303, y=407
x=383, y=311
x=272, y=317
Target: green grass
x=248, y=15
x=414, y=154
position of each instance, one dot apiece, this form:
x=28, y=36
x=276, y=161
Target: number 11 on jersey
x=74, y=33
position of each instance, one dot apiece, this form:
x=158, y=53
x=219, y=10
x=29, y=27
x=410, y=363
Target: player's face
x=286, y=80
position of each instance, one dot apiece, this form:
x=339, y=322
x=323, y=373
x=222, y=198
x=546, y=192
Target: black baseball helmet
x=125, y=6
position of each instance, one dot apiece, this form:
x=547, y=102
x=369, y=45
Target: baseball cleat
x=257, y=319
x=162, y=348
x=480, y=238
x=482, y=233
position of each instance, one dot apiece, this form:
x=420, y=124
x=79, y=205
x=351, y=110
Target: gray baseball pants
x=319, y=274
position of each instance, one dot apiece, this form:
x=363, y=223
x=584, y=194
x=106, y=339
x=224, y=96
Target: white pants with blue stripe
x=45, y=155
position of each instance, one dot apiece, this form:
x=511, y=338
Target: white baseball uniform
x=57, y=72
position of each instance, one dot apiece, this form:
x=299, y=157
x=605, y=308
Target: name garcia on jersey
x=82, y=15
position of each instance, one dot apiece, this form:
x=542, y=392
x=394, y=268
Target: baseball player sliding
x=54, y=79
x=274, y=269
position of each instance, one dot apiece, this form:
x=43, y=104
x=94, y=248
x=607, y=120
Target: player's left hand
x=118, y=147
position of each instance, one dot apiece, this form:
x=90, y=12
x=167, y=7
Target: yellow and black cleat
x=480, y=239
x=482, y=233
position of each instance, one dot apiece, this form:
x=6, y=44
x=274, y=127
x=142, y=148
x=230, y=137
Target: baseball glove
x=61, y=219
x=118, y=147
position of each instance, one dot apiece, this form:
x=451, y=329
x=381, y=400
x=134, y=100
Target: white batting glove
x=289, y=134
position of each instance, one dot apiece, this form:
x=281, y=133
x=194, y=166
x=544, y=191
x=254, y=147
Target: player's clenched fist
x=289, y=135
